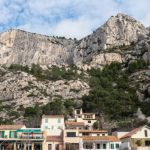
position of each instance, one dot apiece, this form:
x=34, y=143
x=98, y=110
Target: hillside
x=41, y=74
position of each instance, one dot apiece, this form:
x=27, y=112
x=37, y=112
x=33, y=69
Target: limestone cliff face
x=118, y=30
x=20, y=47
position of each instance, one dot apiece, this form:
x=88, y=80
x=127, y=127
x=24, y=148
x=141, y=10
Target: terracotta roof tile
x=11, y=127
x=93, y=131
x=54, y=139
x=134, y=131
x=100, y=138
x=69, y=123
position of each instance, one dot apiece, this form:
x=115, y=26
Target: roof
x=52, y=116
x=100, y=138
x=134, y=131
x=93, y=131
x=69, y=123
x=11, y=127
x=54, y=139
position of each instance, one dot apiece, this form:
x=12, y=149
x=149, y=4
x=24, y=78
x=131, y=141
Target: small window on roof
x=46, y=120
x=145, y=131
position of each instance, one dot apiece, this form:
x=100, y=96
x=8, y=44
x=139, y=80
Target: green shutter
x=3, y=134
x=9, y=134
x=15, y=134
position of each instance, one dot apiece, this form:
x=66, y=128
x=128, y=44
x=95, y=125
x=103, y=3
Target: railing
x=31, y=137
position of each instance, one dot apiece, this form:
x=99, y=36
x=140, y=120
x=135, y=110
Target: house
x=137, y=139
x=30, y=138
x=100, y=142
x=8, y=136
x=71, y=139
x=88, y=118
x=54, y=126
x=77, y=139
x=18, y=137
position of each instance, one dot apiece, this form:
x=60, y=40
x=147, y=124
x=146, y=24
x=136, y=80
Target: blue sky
x=69, y=18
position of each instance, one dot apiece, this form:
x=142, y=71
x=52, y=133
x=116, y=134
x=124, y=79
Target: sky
x=69, y=18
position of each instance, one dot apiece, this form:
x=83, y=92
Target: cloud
x=70, y=18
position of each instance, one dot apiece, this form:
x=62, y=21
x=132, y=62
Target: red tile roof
x=54, y=139
x=52, y=116
x=93, y=131
x=134, y=131
x=100, y=138
x=11, y=127
x=69, y=123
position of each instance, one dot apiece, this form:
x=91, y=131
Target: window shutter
x=3, y=133
x=15, y=134
x=9, y=134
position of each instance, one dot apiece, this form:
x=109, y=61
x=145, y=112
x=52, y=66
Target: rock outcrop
x=20, y=47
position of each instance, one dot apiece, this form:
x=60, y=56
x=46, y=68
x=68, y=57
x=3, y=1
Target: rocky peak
x=118, y=30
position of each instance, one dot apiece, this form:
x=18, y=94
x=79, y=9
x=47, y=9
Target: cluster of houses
x=74, y=134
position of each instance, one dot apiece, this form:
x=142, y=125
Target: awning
x=29, y=130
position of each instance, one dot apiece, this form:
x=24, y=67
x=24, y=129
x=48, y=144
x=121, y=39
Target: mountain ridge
x=26, y=48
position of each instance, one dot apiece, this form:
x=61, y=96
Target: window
x=78, y=111
x=49, y=146
x=46, y=127
x=147, y=143
x=117, y=145
x=52, y=127
x=104, y=146
x=98, y=146
x=59, y=120
x=89, y=121
x=103, y=134
x=56, y=146
x=12, y=134
x=98, y=134
x=88, y=145
x=85, y=134
x=71, y=134
x=60, y=127
x=145, y=131
x=46, y=120
x=112, y=146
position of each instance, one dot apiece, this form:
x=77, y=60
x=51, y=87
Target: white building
x=53, y=124
x=137, y=139
x=87, y=118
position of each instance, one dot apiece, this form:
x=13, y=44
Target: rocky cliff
x=20, y=47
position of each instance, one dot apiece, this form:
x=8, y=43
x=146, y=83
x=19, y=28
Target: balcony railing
x=31, y=137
